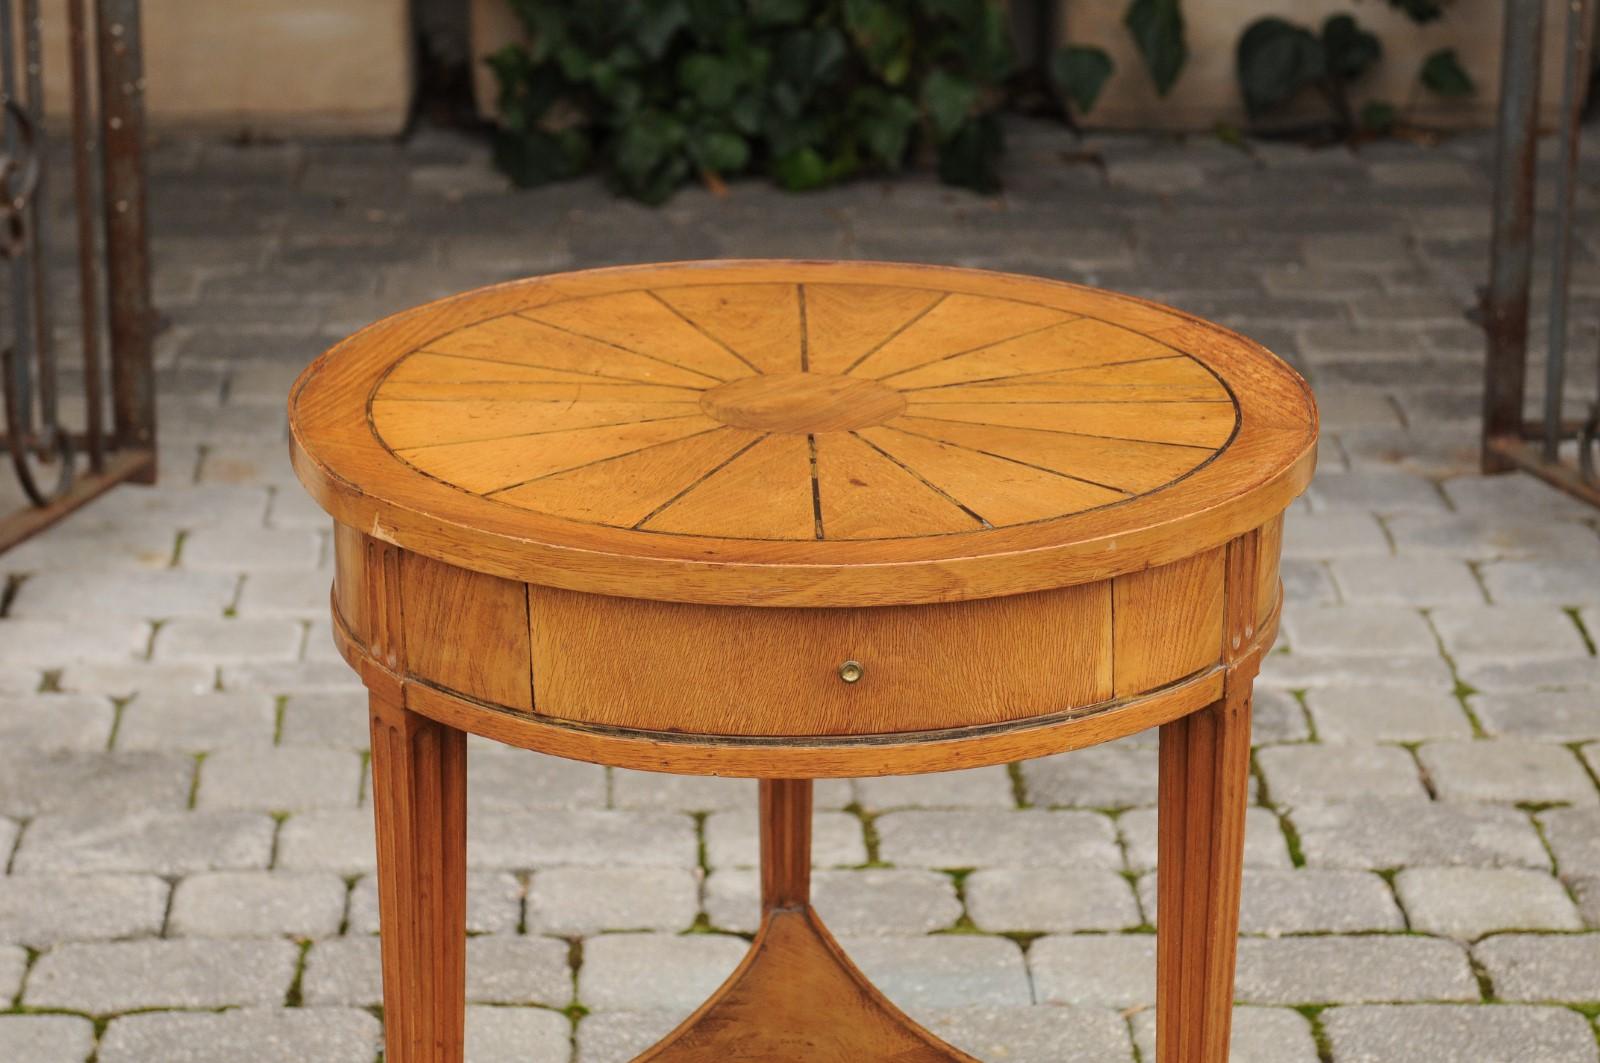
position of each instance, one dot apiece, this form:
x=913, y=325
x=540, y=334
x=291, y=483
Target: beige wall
x=1207, y=90
x=266, y=66
x=493, y=26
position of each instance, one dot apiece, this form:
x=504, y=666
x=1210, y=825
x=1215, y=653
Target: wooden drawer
x=747, y=671
x=647, y=665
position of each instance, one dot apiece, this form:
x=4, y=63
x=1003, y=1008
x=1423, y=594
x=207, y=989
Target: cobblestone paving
x=184, y=821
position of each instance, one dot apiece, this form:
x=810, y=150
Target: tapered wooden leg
x=785, y=843
x=419, y=798
x=1205, y=786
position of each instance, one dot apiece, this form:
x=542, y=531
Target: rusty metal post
x=83, y=146
x=42, y=342
x=29, y=431
x=1505, y=302
x=20, y=382
x=1575, y=76
x=121, y=71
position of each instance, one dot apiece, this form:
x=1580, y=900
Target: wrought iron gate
x=59, y=466
x=1561, y=445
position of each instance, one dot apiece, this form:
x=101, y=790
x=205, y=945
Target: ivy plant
x=1421, y=11
x=1277, y=60
x=1157, y=29
x=655, y=93
x=1443, y=74
x=1079, y=72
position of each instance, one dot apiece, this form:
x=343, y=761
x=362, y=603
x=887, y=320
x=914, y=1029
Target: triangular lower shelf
x=797, y=998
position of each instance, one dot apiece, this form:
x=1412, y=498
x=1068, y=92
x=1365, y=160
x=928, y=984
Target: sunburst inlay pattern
x=850, y=411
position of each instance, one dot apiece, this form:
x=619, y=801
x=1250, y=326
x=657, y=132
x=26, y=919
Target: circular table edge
x=508, y=551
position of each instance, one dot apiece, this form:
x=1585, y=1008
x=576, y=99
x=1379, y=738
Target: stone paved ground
x=184, y=826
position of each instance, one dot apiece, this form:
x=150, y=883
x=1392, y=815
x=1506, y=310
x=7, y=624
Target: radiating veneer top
x=801, y=433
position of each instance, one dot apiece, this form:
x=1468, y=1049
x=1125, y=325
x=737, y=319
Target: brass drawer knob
x=851, y=671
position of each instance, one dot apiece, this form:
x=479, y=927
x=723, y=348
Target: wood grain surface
x=785, y=815
x=759, y=690
x=466, y=630
x=419, y=788
x=1203, y=793
x=807, y=758
x=801, y=433
x=1167, y=622
x=724, y=670
x=797, y=998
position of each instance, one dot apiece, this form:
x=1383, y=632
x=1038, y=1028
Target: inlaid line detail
x=626, y=350
x=707, y=333
x=881, y=344
x=599, y=461
x=816, y=487
x=1065, y=432
x=1014, y=461
x=980, y=347
x=698, y=480
x=565, y=430
x=548, y=368
x=935, y=488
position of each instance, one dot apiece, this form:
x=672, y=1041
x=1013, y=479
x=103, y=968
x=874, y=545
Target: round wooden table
x=793, y=520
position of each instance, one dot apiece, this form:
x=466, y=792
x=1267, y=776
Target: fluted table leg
x=419, y=798
x=1205, y=787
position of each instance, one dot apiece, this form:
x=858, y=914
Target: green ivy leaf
x=1442, y=73
x=825, y=52
x=648, y=160
x=617, y=86
x=719, y=151
x=745, y=114
x=545, y=24
x=786, y=134
x=1379, y=118
x=709, y=19
x=575, y=63
x=884, y=122
x=1157, y=28
x=515, y=73
x=537, y=157
x=645, y=143
x=985, y=42
x=658, y=25
x=800, y=170
x=970, y=159
x=1275, y=60
x=948, y=99
x=1348, y=49
x=804, y=62
x=1079, y=73
x=1420, y=11
x=779, y=12
x=712, y=81
x=962, y=12
x=883, y=33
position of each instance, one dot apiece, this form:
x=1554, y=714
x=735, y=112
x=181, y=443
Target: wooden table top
x=801, y=433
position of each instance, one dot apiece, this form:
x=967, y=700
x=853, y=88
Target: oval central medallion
x=802, y=402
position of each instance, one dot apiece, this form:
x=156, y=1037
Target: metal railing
x=1560, y=445
x=60, y=467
